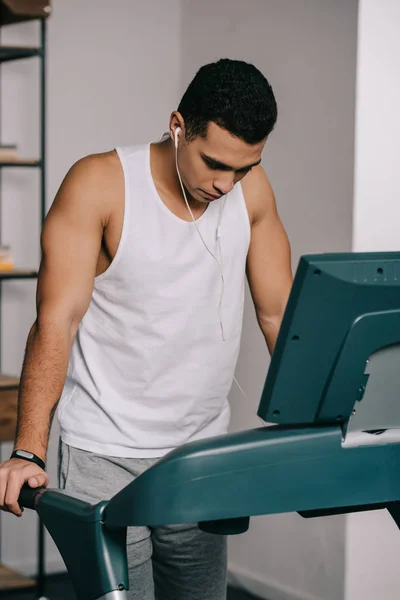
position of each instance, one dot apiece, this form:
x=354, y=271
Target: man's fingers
x=12, y=481
x=38, y=480
x=14, y=485
x=3, y=486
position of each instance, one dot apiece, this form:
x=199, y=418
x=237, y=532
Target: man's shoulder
x=93, y=183
x=258, y=194
x=96, y=174
x=101, y=165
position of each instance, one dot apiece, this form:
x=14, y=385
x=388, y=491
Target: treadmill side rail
x=262, y=471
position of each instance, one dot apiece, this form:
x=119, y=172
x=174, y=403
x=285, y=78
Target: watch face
x=24, y=454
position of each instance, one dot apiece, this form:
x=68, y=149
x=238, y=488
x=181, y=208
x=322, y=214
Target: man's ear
x=176, y=120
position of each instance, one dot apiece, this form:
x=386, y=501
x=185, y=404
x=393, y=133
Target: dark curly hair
x=234, y=95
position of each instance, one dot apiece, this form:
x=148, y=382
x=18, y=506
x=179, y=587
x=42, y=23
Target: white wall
x=308, y=51
x=373, y=540
x=113, y=78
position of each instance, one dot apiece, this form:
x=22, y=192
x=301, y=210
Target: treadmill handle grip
x=27, y=496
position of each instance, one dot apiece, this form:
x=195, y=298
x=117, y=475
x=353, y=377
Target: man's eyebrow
x=225, y=167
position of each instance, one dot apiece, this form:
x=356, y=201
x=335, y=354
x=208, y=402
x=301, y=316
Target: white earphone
x=177, y=131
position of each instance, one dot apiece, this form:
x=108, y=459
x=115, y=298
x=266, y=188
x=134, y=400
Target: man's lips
x=211, y=196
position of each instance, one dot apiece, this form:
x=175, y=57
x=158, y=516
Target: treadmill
x=332, y=446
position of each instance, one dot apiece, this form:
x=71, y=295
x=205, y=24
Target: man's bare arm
x=71, y=241
x=268, y=263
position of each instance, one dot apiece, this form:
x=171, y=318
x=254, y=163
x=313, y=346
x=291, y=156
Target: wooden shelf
x=8, y=53
x=8, y=407
x=18, y=11
x=22, y=162
x=10, y=580
x=8, y=382
x=18, y=274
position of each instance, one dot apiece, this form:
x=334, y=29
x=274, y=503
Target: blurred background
x=115, y=72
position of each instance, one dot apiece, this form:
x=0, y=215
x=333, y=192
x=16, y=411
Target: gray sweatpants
x=172, y=562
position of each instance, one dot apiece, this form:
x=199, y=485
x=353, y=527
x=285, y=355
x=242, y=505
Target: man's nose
x=224, y=184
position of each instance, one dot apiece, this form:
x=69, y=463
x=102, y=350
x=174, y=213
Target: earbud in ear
x=177, y=131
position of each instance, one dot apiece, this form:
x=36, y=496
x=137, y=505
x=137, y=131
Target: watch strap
x=30, y=457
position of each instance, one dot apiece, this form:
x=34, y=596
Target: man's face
x=211, y=167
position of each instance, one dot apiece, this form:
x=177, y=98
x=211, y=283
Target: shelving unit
x=21, y=163
x=17, y=11
x=18, y=274
x=10, y=580
x=14, y=53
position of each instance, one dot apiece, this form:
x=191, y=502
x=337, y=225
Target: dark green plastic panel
x=308, y=381
x=269, y=470
x=95, y=556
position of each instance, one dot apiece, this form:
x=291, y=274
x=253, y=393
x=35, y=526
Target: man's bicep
x=268, y=266
x=269, y=269
x=71, y=241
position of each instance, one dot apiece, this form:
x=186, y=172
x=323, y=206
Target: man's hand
x=13, y=474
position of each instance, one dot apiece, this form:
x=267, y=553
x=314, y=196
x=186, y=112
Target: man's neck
x=165, y=175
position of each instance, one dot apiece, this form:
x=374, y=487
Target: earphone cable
x=219, y=310
x=220, y=265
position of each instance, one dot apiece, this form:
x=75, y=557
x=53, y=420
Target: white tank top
x=149, y=370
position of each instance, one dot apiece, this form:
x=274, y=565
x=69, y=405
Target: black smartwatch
x=30, y=457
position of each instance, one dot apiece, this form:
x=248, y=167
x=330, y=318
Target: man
x=139, y=313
